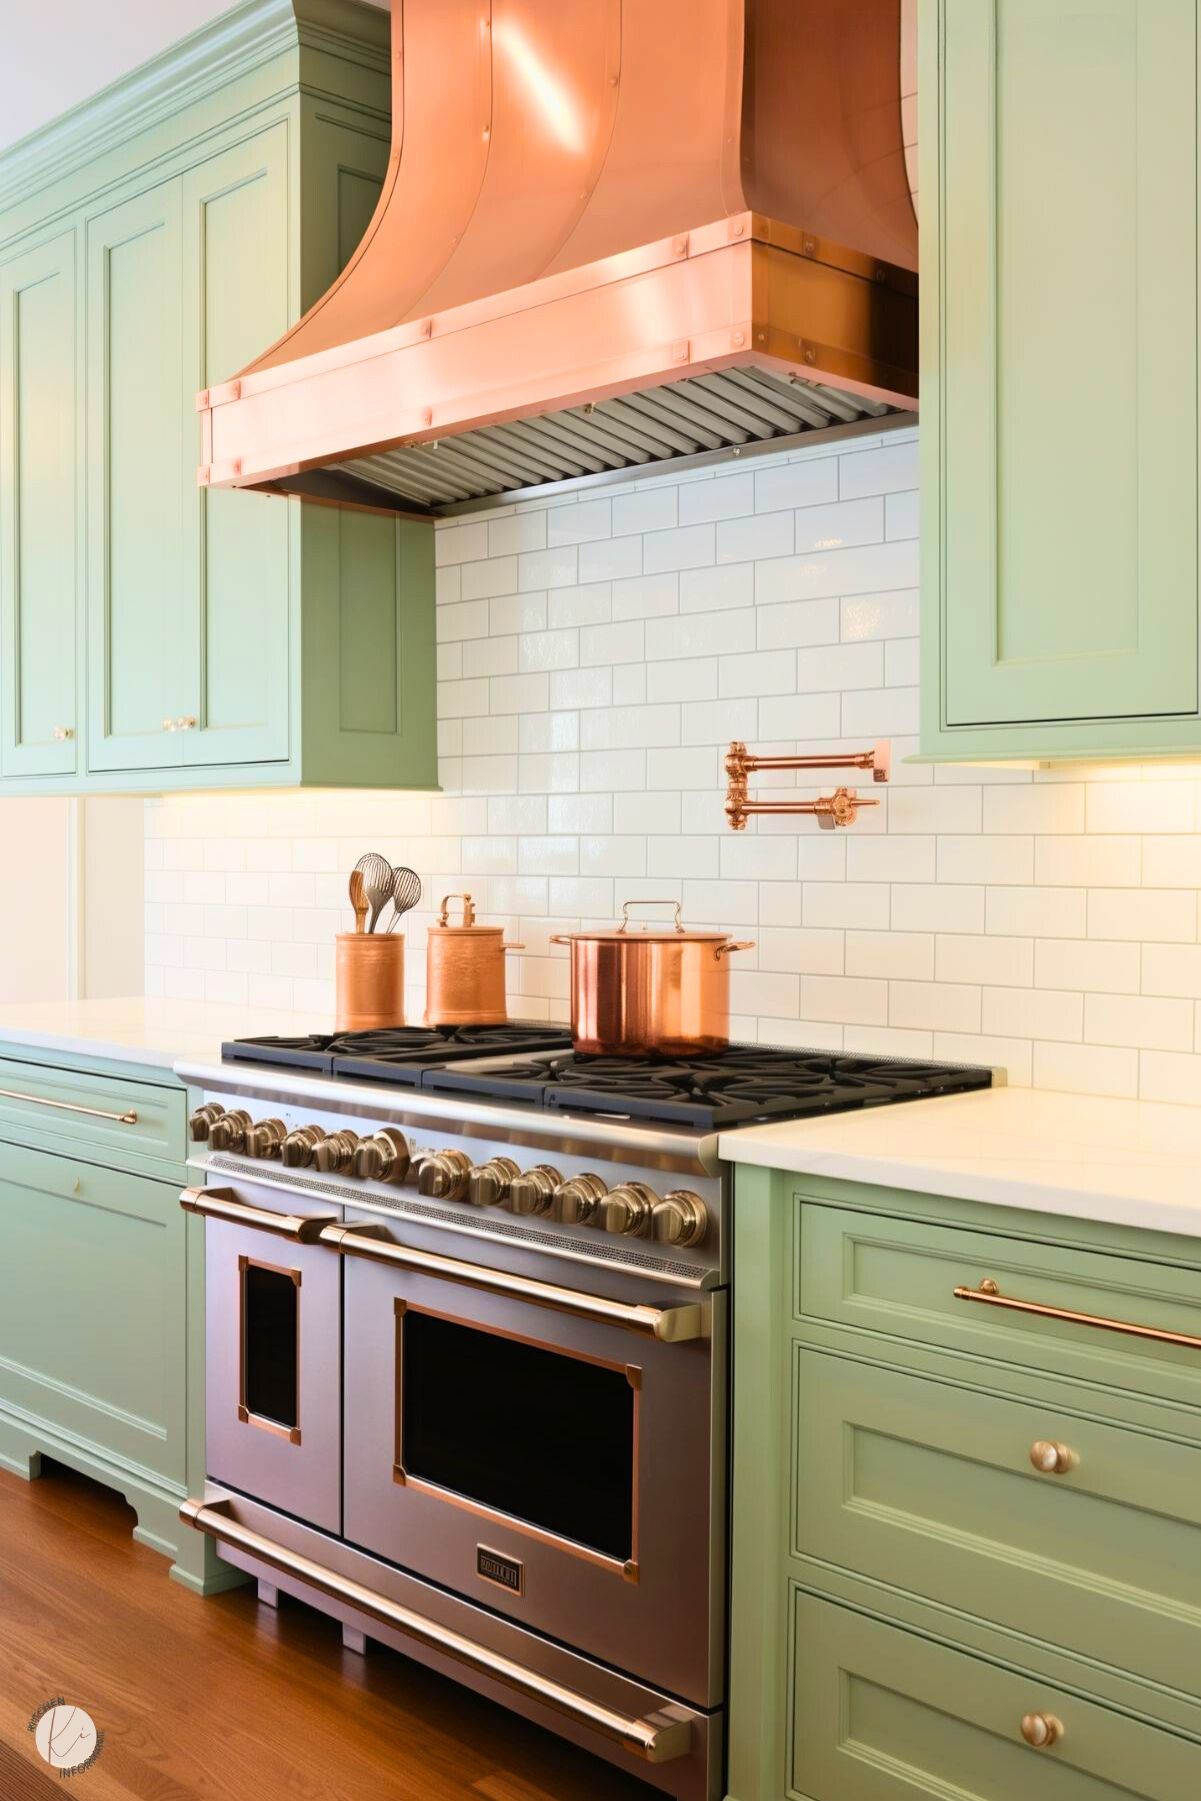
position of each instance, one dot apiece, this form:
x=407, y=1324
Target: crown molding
x=231, y=46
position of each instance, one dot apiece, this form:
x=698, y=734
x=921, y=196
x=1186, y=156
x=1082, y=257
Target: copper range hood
x=611, y=233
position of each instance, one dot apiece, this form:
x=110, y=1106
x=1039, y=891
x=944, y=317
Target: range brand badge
x=506, y=1572
x=66, y=1737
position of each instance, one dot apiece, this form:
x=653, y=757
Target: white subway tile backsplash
x=800, y=484
x=840, y=525
x=1133, y=1019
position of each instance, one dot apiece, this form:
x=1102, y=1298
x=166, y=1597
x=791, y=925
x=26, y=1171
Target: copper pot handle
x=735, y=944
x=626, y=905
x=521, y=947
x=468, y=909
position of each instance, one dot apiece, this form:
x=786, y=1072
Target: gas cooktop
x=532, y=1062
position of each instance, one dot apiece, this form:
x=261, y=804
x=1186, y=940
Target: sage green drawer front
x=880, y=1714
x=91, y=1287
x=932, y=1488
x=119, y=1121
x=899, y=1276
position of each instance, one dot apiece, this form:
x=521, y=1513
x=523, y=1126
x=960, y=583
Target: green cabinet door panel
x=931, y=1487
x=237, y=556
x=349, y=161
x=1059, y=420
x=878, y=1714
x=91, y=1284
x=141, y=681
x=39, y=511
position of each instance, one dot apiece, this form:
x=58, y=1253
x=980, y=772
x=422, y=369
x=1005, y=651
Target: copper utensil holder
x=465, y=970
x=370, y=981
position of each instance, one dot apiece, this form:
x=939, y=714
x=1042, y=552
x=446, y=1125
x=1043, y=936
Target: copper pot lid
x=467, y=923
x=645, y=934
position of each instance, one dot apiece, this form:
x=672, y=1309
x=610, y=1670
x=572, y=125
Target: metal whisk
x=406, y=892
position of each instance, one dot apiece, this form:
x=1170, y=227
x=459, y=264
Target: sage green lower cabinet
x=101, y=1295
x=952, y=1523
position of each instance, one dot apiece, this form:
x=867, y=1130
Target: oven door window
x=270, y=1394
x=545, y=1437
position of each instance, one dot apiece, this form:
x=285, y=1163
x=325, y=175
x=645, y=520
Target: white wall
x=71, y=898
x=596, y=655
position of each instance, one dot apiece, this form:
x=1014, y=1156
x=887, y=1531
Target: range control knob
x=296, y=1151
x=533, y=1191
x=444, y=1175
x=575, y=1202
x=627, y=1209
x=264, y=1138
x=335, y=1154
x=384, y=1157
x=679, y=1218
x=229, y=1132
x=200, y=1122
x=488, y=1183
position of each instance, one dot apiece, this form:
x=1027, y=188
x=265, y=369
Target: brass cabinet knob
x=265, y=1137
x=627, y=1209
x=1041, y=1730
x=679, y=1218
x=533, y=1191
x=296, y=1151
x=444, y=1175
x=335, y=1154
x=186, y=722
x=384, y=1157
x=168, y=725
x=1052, y=1459
x=575, y=1202
x=62, y=733
x=229, y=1132
x=200, y=1123
x=488, y=1183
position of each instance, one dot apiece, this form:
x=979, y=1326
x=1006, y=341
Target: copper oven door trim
x=628, y=1568
x=248, y=1418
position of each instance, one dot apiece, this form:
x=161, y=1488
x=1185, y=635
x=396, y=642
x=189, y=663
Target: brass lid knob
x=533, y=1191
x=200, y=1122
x=488, y=1183
x=296, y=1151
x=265, y=1137
x=1052, y=1459
x=334, y=1155
x=229, y=1132
x=627, y=1209
x=575, y=1202
x=1041, y=1730
x=444, y=1175
x=384, y=1157
x=679, y=1218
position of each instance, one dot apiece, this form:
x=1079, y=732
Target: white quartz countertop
x=1132, y=1163
x=154, y=1033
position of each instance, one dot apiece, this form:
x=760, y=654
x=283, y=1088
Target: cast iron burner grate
x=742, y=1085
x=396, y=1053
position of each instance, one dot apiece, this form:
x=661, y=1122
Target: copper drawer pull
x=990, y=1295
x=670, y=1325
x=223, y=1204
x=658, y=1739
x=40, y=1100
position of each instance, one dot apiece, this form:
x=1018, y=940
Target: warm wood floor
x=224, y=1700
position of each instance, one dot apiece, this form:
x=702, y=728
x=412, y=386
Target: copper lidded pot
x=663, y=993
x=465, y=970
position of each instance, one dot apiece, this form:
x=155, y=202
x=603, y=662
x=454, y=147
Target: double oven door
x=549, y=1445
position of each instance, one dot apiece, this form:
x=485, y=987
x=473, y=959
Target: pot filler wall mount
x=610, y=235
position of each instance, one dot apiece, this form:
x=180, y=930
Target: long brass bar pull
x=41, y=1100
x=658, y=1738
x=223, y=1204
x=989, y=1295
x=671, y=1325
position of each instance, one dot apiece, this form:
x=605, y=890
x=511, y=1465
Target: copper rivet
x=739, y=337
x=810, y=356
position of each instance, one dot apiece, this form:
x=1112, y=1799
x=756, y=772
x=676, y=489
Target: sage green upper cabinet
x=39, y=468
x=152, y=243
x=1058, y=143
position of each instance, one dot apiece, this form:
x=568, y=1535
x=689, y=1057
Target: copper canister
x=370, y=981
x=465, y=970
x=663, y=993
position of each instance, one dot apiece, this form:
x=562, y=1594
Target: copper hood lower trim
x=695, y=342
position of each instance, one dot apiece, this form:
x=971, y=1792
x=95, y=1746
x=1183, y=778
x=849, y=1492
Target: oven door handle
x=658, y=1738
x=670, y=1325
x=223, y=1204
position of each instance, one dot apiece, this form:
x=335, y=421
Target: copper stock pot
x=653, y=992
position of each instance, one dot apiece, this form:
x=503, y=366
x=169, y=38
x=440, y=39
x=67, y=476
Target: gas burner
x=395, y=1053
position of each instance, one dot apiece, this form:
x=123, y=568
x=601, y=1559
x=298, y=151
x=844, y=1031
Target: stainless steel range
x=467, y=1315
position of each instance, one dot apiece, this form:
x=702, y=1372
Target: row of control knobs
x=632, y=1208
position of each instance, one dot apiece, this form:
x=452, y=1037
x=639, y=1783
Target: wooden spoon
x=358, y=900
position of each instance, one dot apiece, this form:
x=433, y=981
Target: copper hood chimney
x=611, y=232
